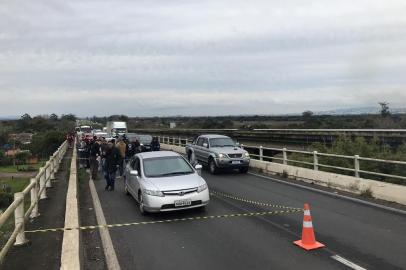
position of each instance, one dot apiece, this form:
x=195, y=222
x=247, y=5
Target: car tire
x=243, y=170
x=125, y=186
x=213, y=167
x=141, y=204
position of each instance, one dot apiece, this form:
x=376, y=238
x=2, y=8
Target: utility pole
x=14, y=150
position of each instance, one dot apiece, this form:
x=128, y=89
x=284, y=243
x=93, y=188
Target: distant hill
x=9, y=117
x=360, y=110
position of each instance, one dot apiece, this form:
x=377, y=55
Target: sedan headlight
x=153, y=192
x=222, y=156
x=202, y=188
x=246, y=155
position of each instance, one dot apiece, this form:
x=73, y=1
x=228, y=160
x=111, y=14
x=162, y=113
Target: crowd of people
x=98, y=154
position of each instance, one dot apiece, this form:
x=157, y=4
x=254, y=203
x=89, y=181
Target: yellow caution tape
x=266, y=213
x=215, y=193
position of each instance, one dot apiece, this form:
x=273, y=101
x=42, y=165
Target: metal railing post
x=315, y=161
x=42, y=184
x=261, y=153
x=356, y=165
x=242, y=146
x=34, y=199
x=48, y=175
x=19, y=220
x=180, y=141
x=285, y=156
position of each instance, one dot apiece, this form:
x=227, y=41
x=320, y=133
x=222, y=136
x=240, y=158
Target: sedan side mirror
x=199, y=168
x=205, y=145
x=134, y=172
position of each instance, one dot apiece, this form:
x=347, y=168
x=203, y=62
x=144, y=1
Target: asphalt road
x=369, y=237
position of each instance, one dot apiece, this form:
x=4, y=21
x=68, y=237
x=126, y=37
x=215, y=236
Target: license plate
x=180, y=203
x=236, y=162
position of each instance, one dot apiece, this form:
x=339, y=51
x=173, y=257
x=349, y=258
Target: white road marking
x=108, y=248
x=347, y=263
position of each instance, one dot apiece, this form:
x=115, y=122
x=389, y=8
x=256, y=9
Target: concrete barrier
x=379, y=190
x=70, y=258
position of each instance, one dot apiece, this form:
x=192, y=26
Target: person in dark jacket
x=112, y=158
x=94, y=154
x=137, y=146
x=87, y=153
x=155, y=145
x=129, y=151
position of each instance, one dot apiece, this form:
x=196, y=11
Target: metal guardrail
x=37, y=190
x=356, y=169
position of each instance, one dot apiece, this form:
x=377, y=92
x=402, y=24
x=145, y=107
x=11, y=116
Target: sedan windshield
x=145, y=139
x=221, y=142
x=166, y=166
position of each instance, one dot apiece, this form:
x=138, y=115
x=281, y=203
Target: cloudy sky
x=211, y=57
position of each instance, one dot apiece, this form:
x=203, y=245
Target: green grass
x=17, y=184
x=21, y=168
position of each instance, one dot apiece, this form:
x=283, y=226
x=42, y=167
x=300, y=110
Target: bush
x=6, y=199
x=5, y=161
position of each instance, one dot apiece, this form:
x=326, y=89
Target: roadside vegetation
x=359, y=146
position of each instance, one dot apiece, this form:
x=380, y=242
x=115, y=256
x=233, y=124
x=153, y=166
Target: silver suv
x=218, y=151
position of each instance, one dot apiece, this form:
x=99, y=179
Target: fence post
x=34, y=198
x=52, y=168
x=42, y=184
x=285, y=157
x=242, y=146
x=180, y=141
x=56, y=160
x=19, y=220
x=48, y=175
x=159, y=139
x=261, y=153
x=356, y=165
x=315, y=161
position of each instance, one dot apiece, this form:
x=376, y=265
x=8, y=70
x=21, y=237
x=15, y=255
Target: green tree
x=307, y=114
x=53, y=117
x=68, y=117
x=385, y=112
x=45, y=143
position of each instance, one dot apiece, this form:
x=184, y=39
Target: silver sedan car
x=165, y=181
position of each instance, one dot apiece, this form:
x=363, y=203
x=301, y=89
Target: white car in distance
x=165, y=181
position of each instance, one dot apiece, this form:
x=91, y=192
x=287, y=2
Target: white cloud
x=200, y=57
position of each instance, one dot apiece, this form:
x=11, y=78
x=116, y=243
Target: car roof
x=212, y=136
x=156, y=154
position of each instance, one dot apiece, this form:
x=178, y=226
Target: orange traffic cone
x=308, y=241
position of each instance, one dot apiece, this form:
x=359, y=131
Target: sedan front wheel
x=213, y=167
x=141, y=204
